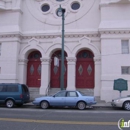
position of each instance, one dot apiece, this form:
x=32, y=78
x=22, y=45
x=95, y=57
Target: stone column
x=71, y=72
x=97, y=89
x=22, y=70
x=45, y=75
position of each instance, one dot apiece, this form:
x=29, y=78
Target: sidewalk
x=101, y=104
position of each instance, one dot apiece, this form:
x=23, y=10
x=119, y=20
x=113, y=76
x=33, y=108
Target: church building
x=96, y=45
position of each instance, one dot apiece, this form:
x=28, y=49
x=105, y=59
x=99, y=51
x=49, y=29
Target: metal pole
x=62, y=53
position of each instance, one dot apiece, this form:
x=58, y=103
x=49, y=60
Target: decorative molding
x=12, y=5
x=97, y=59
x=71, y=59
x=55, y=36
x=108, y=2
x=34, y=8
x=46, y=60
x=49, y=36
x=114, y=31
x=22, y=61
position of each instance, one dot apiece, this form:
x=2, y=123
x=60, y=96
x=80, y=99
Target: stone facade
x=98, y=26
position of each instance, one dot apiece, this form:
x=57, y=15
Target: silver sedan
x=65, y=98
x=123, y=102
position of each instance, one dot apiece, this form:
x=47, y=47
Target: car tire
x=126, y=105
x=81, y=105
x=44, y=104
x=10, y=103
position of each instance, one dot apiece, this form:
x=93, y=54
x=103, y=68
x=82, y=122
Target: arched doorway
x=85, y=70
x=56, y=71
x=34, y=69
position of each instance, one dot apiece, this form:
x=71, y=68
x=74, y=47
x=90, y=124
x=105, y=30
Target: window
x=12, y=88
x=75, y=6
x=2, y=88
x=45, y=8
x=61, y=94
x=71, y=94
x=25, y=89
x=125, y=69
x=125, y=46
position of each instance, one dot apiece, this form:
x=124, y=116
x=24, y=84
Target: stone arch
x=56, y=47
x=33, y=44
x=85, y=43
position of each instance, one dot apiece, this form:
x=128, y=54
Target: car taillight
x=21, y=96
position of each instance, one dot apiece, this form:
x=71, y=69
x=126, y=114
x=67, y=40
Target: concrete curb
x=98, y=105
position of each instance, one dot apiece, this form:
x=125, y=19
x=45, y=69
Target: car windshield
x=83, y=94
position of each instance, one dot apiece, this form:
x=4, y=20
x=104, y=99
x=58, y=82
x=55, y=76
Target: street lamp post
x=61, y=12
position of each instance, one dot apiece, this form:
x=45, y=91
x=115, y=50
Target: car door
x=58, y=99
x=25, y=92
x=71, y=98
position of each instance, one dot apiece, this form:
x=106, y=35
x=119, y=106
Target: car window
x=24, y=88
x=2, y=88
x=60, y=94
x=83, y=94
x=12, y=88
x=72, y=94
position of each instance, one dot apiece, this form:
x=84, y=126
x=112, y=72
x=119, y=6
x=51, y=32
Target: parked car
x=123, y=102
x=13, y=94
x=65, y=98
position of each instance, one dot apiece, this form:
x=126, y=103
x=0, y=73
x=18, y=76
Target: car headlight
x=117, y=100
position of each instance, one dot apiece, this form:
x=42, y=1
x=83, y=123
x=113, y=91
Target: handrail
x=47, y=89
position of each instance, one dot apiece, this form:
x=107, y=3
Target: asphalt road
x=34, y=118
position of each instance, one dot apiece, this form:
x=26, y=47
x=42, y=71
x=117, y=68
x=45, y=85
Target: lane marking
x=57, y=122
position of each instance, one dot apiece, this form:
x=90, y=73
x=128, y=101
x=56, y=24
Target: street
x=35, y=118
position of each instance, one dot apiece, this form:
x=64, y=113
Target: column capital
x=97, y=59
x=45, y=60
x=71, y=59
x=22, y=61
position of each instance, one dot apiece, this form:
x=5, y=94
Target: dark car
x=14, y=94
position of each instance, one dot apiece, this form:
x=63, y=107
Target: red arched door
x=56, y=71
x=34, y=69
x=85, y=70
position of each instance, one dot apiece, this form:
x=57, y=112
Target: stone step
x=89, y=92
x=34, y=92
x=52, y=91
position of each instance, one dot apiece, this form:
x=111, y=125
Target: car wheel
x=9, y=103
x=44, y=105
x=126, y=105
x=81, y=105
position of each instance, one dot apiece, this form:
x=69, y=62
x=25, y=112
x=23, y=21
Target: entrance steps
x=89, y=92
x=52, y=91
x=34, y=92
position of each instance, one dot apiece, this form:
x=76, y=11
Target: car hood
x=128, y=97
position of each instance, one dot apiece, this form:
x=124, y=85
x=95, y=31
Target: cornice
x=114, y=32
x=48, y=36
x=110, y=2
x=51, y=36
